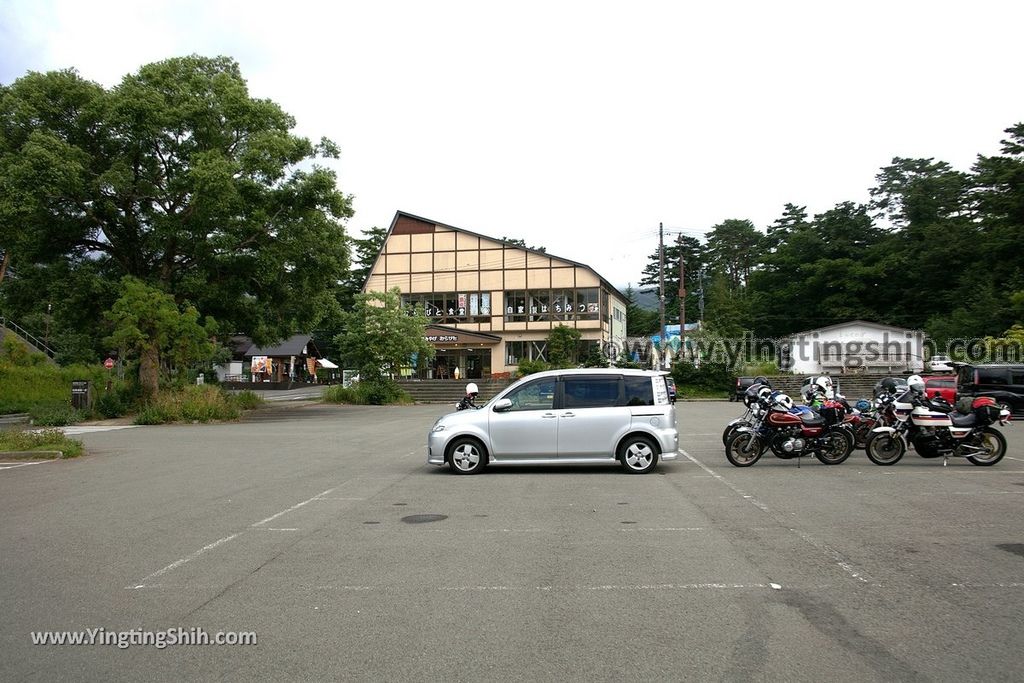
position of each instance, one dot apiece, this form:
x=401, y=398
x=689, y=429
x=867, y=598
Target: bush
x=55, y=415
x=247, y=400
x=192, y=404
x=528, y=367
x=709, y=378
x=27, y=387
x=39, y=440
x=368, y=392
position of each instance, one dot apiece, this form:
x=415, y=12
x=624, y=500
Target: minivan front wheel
x=466, y=456
x=638, y=455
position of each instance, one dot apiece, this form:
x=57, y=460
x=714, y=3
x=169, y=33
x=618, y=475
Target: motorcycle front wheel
x=730, y=430
x=885, y=449
x=837, y=449
x=994, y=445
x=744, y=449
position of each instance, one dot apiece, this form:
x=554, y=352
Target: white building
x=852, y=347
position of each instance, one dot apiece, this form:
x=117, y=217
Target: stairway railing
x=27, y=336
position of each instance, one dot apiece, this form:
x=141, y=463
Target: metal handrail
x=27, y=336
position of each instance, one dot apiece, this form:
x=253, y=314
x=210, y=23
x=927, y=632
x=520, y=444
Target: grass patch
x=40, y=440
x=202, y=403
x=247, y=400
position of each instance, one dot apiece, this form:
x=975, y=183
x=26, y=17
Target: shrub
x=710, y=377
x=528, y=367
x=192, y=404
x=247, y=400
x=368, y=392
x=55, y=415
x=39, y=440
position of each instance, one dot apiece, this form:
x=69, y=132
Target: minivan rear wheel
x=466, y=456
x=638, y=455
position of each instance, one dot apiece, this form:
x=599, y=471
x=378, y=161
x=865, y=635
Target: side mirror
x=504, y=405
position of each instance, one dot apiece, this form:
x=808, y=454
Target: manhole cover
x=423, y=519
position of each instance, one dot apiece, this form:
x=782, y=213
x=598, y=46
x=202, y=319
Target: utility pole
x=682, y=296
x=661, y=288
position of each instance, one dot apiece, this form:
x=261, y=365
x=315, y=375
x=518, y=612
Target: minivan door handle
x=548, y=416
x=570, y=414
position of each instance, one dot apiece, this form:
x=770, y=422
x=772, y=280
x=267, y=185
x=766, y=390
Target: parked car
x=1002, y=381
x=940, y=364
x=742, y=384
x=560, y=417
x=940, y=385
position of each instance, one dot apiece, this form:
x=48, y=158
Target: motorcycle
x=753, y=399
x=935, y=430
x=790, y=434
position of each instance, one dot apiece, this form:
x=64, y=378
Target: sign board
x=108, y=363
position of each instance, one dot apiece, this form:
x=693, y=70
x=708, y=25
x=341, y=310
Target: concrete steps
x=450, y=390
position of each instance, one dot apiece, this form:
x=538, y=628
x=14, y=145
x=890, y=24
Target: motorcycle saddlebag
x=985, y=409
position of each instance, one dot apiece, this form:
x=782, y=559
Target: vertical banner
x=474, y=304
x=485, y=303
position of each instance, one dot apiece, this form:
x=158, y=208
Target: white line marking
x=178, y=563
x=92, y=429
x=11, y=466
x=835, y=555
x=668, y=528
x=267, y=528
x=293, y=508
x=775, y=586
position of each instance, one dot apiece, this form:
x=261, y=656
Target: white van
x=561, y=417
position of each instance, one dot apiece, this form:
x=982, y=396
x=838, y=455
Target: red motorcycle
x=791, y=434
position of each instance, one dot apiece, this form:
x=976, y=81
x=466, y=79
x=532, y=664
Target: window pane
x=539, y=303
x=600, y=392
x=639, y=391
x=539, y=395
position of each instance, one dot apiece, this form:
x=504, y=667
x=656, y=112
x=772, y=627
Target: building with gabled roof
x=492, y=303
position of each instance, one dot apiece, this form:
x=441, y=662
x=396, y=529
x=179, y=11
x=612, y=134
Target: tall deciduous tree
x=177, y=176
x=381, y=336
x=148, y=324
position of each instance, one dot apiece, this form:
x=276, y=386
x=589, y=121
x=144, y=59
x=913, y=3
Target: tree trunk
x=4, y=264
x=149, y=371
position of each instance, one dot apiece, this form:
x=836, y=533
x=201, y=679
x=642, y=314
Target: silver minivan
x=583, y=416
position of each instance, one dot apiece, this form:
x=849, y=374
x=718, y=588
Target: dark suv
x=1003, y=382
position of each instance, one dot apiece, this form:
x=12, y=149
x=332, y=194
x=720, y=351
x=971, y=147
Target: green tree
x=563, y=346
x=735, y=248
x=177, y=177
x=640, y=322
x=381, y=336
x=148, y=324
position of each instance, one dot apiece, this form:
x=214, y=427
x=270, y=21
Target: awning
x=324, y=363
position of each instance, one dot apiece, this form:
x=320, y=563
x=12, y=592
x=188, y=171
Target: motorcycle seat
x=811, y=420
x=960, y=420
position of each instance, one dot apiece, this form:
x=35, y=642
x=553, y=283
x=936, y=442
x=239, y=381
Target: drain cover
x=423, y=519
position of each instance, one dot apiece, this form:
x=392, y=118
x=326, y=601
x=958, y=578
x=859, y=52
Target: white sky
x=578, y=126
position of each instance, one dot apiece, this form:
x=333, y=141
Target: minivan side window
x=590, y=392
x=638, y=391
x=1017, y=377
x=539, y=395
x=991, y=376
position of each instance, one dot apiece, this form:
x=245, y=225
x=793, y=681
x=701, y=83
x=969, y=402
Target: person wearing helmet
x=824, y=384
x=468, y=401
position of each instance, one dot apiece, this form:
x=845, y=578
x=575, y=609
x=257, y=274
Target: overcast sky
x=579, y=126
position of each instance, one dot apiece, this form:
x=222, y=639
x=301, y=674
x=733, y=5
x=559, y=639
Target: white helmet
x=783, y=401
x=471, y=388
x=825, y=384
x=916, y=384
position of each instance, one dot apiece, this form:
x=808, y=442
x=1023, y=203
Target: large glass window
x=563, y=301
x=451, y=307
x=540, y=300
x=515, y=305
x=588, y=304
x=515, y=351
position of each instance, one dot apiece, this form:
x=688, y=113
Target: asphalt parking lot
x=322, y=530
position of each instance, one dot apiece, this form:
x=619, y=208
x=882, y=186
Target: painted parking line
x=15, y=465
x=92, y=429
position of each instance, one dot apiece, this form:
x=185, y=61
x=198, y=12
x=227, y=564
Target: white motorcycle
x=935, y=430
